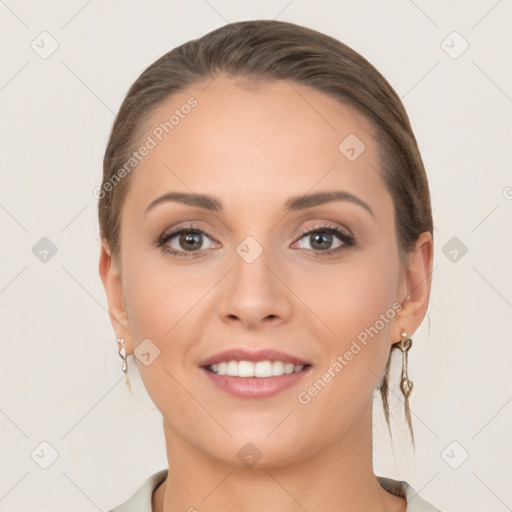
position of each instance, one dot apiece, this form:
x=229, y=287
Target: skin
x=253, y=146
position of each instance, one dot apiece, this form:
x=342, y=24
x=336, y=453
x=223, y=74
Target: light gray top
x=141, y=499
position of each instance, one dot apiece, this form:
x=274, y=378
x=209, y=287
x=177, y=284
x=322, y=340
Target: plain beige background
x=61, y=382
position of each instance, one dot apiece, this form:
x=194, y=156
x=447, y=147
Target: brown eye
x=182, y=241
x=320, y=240
x=190, y=240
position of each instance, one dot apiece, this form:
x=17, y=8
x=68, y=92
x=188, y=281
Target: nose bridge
x=252, y=261
x=254, y=292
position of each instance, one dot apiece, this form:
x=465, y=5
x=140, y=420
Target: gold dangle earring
x=405, y=384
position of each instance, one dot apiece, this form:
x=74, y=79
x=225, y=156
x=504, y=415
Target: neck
x=338, y=477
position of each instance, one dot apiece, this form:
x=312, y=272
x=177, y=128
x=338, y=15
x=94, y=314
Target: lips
x=254, y=374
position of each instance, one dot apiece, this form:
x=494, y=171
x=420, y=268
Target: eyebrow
x=292, y=204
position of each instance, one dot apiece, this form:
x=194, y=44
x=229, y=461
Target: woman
x=266, y=243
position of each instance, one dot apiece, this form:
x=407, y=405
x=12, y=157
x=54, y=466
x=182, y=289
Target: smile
x=262, y=373
x=259, y=369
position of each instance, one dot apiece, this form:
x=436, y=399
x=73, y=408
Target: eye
x=188, y=239
x=320, y=240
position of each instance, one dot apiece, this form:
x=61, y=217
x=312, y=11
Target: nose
x=254, y=295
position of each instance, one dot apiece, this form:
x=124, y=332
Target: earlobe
x=111, y=277
x=417, y=280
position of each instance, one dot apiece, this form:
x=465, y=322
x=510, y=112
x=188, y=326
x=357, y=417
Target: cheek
x=159, y=297
x=358, y=305
x=159, y=303
x=349, y=297
x=369, y=313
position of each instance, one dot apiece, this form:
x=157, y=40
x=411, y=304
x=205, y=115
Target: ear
x=110, y=273
x=415, y=287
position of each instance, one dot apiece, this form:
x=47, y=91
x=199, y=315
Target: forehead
x=252, y=139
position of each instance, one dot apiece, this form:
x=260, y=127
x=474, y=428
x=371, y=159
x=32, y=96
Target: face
x=260, y=268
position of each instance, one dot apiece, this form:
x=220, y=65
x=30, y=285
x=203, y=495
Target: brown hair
x=267, y=50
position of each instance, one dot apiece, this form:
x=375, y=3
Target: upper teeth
x=259, y=369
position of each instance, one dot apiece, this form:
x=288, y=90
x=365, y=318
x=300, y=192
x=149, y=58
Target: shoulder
x=140, y=501
x=415, y=503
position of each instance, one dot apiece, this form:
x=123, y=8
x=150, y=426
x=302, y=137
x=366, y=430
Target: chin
x=255, y=451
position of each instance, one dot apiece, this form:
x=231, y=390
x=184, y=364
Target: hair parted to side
x=267, y=50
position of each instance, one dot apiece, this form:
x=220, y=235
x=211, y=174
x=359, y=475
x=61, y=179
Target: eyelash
x=348, y=240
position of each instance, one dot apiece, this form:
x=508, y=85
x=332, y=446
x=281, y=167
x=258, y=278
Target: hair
x=266, y=50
